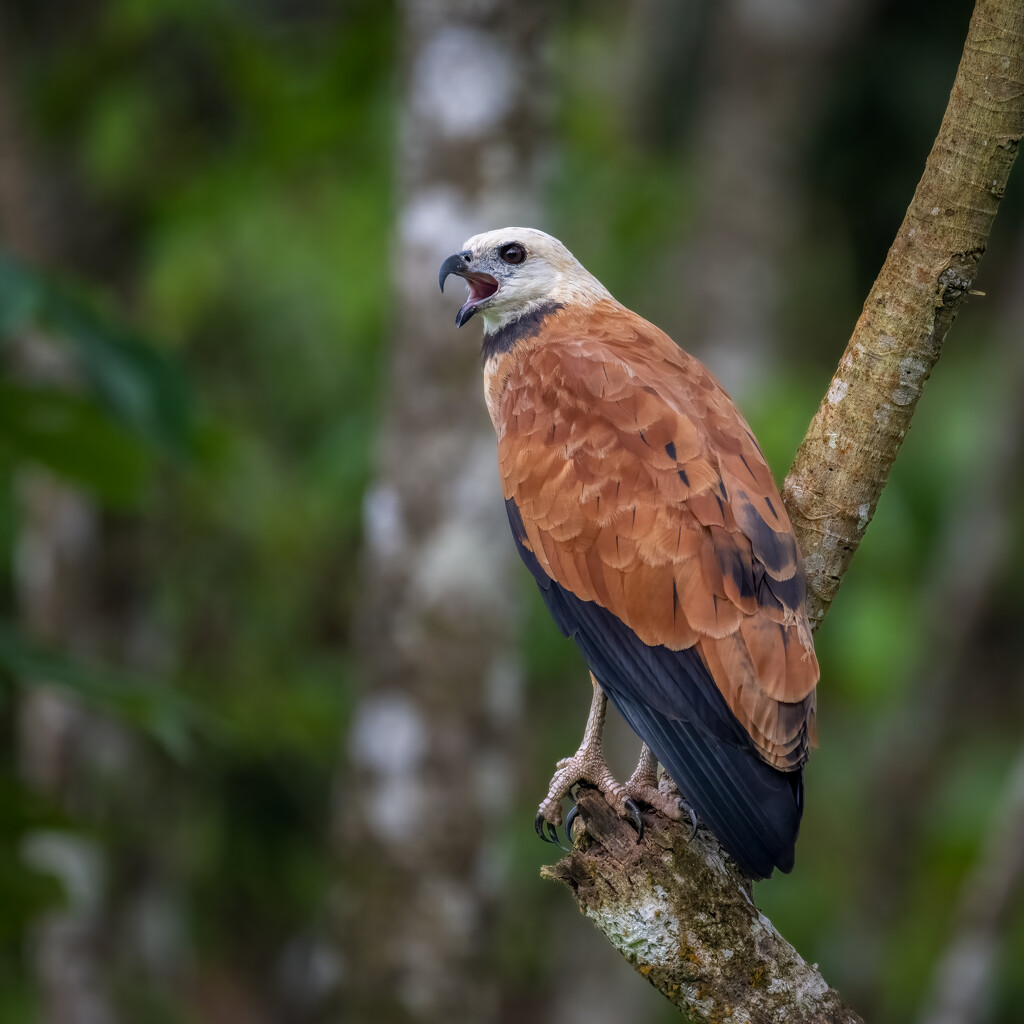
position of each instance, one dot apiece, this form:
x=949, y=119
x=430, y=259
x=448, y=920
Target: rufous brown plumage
x=642, y=504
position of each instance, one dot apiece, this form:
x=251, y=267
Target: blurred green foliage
x=103, y=424
x=239, y=162
x=104, y=435
x=234, y=165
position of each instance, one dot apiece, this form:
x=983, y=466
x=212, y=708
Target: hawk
x=640, y=501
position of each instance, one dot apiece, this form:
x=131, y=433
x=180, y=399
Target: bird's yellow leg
x=586, y=765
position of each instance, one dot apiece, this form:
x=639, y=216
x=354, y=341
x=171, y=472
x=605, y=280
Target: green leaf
x=134, y=382
x=68, y=434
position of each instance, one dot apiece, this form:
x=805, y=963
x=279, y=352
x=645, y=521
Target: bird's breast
x=497, y=370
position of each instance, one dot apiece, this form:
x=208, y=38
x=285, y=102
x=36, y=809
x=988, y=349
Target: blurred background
x=278, y=703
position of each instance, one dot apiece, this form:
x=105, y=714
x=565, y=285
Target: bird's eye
x=512, y=253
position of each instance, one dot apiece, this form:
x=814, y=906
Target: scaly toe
x=668, y=787
x=586, y=767
x=670, y=804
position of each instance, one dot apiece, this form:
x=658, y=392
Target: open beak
x=481, y=286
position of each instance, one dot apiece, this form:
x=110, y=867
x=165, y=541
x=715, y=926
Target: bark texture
x=843, y=463
x=678, y=912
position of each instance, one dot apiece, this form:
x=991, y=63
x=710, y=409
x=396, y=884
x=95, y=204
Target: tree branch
x=844, y=460
x=679, y=911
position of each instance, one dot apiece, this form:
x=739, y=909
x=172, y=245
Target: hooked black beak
x=482, y=286
x=455, y=264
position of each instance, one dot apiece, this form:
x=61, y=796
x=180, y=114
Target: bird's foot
x=586, y=765
x=644, y=786
x=671, y=805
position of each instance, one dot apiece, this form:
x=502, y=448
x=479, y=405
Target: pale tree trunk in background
x=429, y=753
x=761, y=93
x=55, y=584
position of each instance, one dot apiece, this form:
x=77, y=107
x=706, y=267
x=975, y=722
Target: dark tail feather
x=753, y=808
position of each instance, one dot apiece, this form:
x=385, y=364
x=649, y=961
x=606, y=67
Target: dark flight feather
x=671, y=702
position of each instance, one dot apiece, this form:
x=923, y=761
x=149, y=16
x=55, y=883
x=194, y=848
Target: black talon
x=574, y=813
x=538, y=826
x=634, y=818
x=693, y=822
x=540, y=823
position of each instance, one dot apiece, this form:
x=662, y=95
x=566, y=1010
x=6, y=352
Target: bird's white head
x=513, y=272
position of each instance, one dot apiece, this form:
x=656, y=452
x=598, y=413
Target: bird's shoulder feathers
x=640, y=487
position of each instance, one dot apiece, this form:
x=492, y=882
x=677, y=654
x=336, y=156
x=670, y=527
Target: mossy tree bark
x=679, y=911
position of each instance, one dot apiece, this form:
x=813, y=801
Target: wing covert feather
x=642, y=489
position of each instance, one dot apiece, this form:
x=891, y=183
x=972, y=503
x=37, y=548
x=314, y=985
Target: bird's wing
x=635, y=485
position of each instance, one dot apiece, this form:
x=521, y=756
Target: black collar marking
x=526, y=326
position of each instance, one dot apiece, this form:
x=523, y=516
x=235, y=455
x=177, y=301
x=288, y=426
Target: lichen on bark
x=683, y=916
